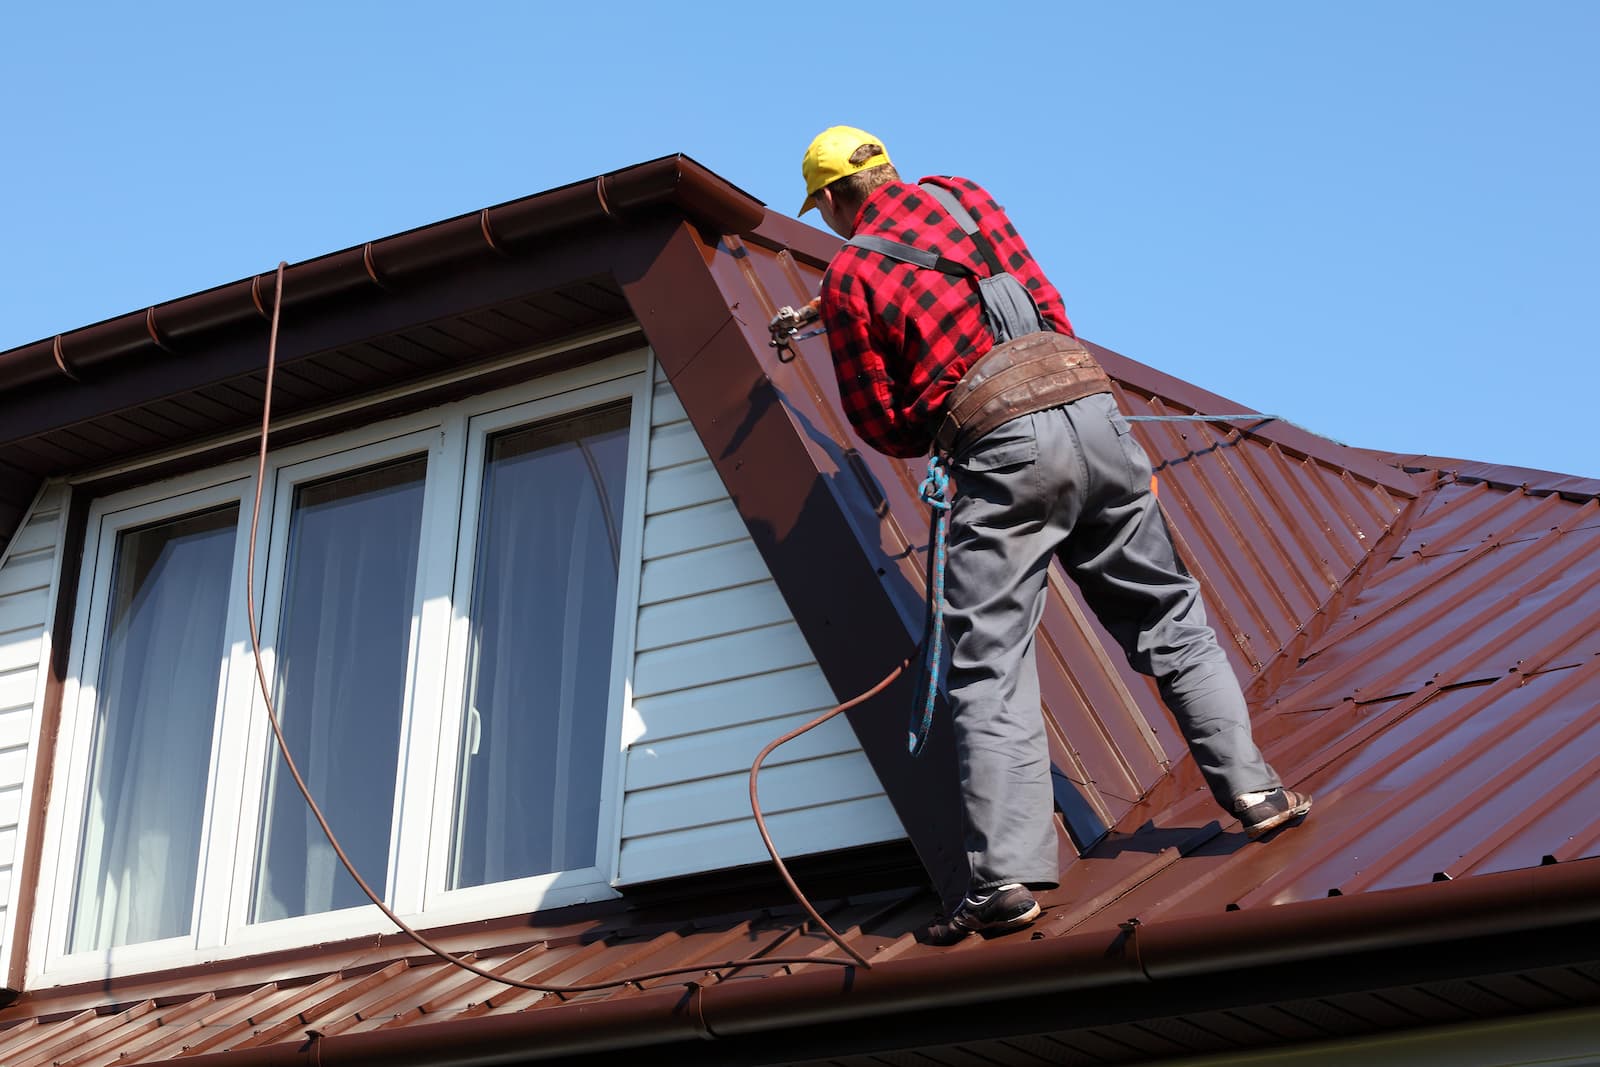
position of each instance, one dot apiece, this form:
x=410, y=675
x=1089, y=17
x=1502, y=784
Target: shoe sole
x=1299, y=811
x=1016, y=922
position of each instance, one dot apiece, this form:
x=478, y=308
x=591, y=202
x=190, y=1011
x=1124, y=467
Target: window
x=548, y=537
x=147, y=783
x=446, y=608
x=343, y=637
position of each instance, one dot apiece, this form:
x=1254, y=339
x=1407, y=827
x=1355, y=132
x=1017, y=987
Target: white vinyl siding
x=720, y=669
x=29, y=566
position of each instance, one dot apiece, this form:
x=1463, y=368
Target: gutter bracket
x=61, y=360
x=155, y=331
x=697, y=1011
x=1128, y=942
x=488, y=235
x=370, y=264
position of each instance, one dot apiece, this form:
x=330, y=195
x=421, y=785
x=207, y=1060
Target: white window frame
x=108, y=518
x=567, y=887
x=453, y=437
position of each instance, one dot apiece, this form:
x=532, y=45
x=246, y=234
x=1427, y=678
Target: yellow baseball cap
x=828, y=159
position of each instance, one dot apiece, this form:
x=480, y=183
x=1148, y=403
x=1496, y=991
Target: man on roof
x=947, y=335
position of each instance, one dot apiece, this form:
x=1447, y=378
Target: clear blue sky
x=1377, y=219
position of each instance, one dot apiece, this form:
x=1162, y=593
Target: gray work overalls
x=1064, y=481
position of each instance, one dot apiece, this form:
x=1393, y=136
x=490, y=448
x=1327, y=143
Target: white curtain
x=341, y=666
x=155, y=708
x=544, y=599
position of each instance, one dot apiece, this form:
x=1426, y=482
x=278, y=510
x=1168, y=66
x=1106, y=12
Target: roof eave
x=1393, y=923
x=675, y=183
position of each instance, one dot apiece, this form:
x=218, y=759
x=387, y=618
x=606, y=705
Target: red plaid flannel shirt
x=903, y=336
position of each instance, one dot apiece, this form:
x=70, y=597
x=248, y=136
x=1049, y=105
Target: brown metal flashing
x=1500, y=475
x=795, y=507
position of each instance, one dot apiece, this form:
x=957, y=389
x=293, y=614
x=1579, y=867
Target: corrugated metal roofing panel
x=1477, y=608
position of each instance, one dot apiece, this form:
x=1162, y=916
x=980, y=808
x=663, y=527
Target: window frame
x=453, y=438
x=284, y=479
x=570, y=886
x=108, y=518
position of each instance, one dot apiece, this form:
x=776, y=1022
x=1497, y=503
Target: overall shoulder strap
x=968, y=224
x=1008, y=307
x=928, y=259
x=1009, y=310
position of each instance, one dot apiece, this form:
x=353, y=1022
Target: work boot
x=1277, y=808
x=1004, y=908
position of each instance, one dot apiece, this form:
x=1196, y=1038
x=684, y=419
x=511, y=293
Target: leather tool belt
x=1016, y=378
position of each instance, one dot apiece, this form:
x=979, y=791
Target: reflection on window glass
x=155, y=706
x=341, y=674
x=543, y=605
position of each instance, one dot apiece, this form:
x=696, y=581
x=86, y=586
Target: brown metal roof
x=1422, y=641
x=1336, y=966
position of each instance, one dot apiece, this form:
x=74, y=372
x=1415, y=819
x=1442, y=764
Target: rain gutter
x=1412, y=918
x=670, y=183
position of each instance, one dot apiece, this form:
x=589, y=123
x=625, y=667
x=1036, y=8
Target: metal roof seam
x=1067, y=920
x=1363, y=496
x=1580, y=845
x=1379, y=611
x=265, y=1034
x=1353, y=789
x=89, y=1036
x=1217, y=595
x=1258, y=603
x=31, y=1039
x=1488, y=845
x=97, y=1050
x=227, y=1007
x=1289, y=473
x=1316, y=628
x=1453, y=640
x=1276, y=531
x=1491, y=787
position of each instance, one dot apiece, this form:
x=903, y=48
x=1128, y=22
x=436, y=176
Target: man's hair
x=855, y=188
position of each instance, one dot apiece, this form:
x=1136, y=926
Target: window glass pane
x=155, y=707
x=543, y=606
x=341, y=674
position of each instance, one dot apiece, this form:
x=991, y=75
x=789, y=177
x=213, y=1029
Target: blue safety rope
x=935, y=493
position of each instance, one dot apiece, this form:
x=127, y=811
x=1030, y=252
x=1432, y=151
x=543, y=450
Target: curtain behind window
x=543, y=611
x=155, y=708
x=341, y=666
